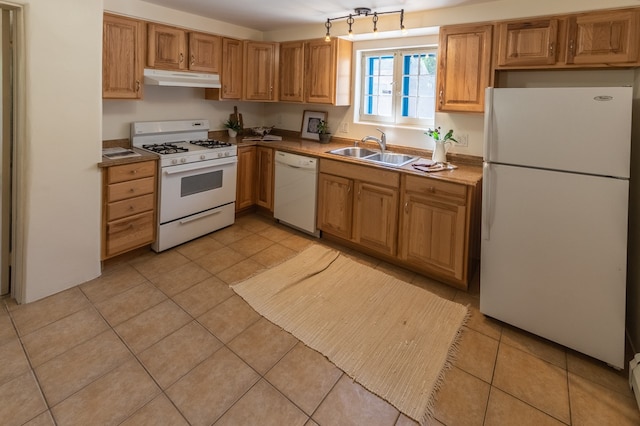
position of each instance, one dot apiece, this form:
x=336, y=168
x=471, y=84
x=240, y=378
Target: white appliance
x=197, y=179
x=294, y=200
x=155, y=77
x=554, y=214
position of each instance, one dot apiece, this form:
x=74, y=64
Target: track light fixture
x=363, y=11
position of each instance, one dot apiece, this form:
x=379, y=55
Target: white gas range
x=197, y=184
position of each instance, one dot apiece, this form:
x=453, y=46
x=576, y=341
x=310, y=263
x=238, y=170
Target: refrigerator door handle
x=488, y=119
x=486, y=201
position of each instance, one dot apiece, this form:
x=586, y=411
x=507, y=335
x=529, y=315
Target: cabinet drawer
x=129, y=207
x=130, y=171
x=429, y=186
x=129, y=233
x=130, y=189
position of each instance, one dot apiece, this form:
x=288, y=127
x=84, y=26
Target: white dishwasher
x=294, y=200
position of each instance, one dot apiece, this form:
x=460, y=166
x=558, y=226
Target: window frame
x=396, y=118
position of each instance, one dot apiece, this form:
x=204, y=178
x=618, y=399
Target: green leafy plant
x=437, y=135
x=233, y=125
x=323, y=127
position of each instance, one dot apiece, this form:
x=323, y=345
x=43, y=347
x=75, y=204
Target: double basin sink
x=386, y=159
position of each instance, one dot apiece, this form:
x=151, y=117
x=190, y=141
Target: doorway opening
x=11, y=132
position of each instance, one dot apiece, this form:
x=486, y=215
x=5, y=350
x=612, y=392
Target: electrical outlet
x=344, y=127
x=463, y=140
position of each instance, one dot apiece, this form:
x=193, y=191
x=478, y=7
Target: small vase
x=439, y=152
x=232, y=133
x=324, y=137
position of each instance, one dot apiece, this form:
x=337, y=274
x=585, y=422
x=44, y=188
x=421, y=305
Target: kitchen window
x=398, y=87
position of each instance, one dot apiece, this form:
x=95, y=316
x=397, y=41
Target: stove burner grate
x=165, y=148
x=210, y=143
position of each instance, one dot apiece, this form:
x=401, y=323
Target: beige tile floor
x=160, y=339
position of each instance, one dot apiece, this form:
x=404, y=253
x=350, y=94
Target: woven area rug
x=393, y=338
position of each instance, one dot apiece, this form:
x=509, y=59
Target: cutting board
x=236, y=116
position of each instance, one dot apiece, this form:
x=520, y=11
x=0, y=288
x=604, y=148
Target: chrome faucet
x=382, y=141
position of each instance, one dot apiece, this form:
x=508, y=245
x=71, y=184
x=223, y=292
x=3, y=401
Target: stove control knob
x=226, y=154
x=183, y=160
x=174, y=161
x=219, y=154
x=203, y=157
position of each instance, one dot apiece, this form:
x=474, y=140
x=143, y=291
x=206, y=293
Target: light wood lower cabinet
x=246, y=182
x=436, y=228
x=265, y=170
x=129, y=207
x=359, y=204
x=428, y=225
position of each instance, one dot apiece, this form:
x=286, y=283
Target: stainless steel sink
x=353, y=151
x=365, y=154
x=391, y=159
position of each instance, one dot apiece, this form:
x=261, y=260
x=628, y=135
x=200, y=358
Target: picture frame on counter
x=310, y=123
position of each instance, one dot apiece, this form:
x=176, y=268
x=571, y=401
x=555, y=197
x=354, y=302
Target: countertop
x=469, y=171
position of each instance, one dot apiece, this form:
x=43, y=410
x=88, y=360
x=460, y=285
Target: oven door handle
x=199, y=166
x=200, y=216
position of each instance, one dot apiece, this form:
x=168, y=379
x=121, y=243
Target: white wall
x=61, y=147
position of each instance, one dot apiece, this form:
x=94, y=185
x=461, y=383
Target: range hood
x=181, y=79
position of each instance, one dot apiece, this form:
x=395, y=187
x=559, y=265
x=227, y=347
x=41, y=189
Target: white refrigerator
x=554, y=214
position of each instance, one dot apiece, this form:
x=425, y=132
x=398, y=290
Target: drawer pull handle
x=406, y=207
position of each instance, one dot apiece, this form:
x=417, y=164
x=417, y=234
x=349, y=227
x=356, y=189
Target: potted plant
x=440, y=152
x=323, y=132
x=233, y=127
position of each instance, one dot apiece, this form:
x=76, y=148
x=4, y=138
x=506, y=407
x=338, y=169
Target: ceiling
x=269, y=15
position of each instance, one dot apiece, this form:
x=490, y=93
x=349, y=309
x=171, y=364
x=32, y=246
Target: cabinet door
x=433, y=234
x=246, y=183
x=464, y=61
x=264, y=193
x=375, y=218
x=291, y=71
x=259, y=82
x=527, y=42
x=204, y=52
x=122, y=57
x=166, y=47
x=230, y=72
x=321, y=82
x=335, y=205
x=603, y=37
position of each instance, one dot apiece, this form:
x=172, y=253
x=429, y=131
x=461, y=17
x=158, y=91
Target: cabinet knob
x=137, y=85
x=406, y=207
x=193, y=59
x=571, y=47
x=551, y=49
x=132, y=190
x=441, y=100
x=181, y=58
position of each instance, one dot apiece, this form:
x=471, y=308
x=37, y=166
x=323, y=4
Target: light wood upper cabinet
x=166, y=47
x=230, y=72
x=122, y=57
x=532, y=42
x=292, y=71
x=246, y=183
x=609, y=37
x=204, y=52
x=328, y=71
x=265, y=170
x=464, y=65
x=260, y=71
